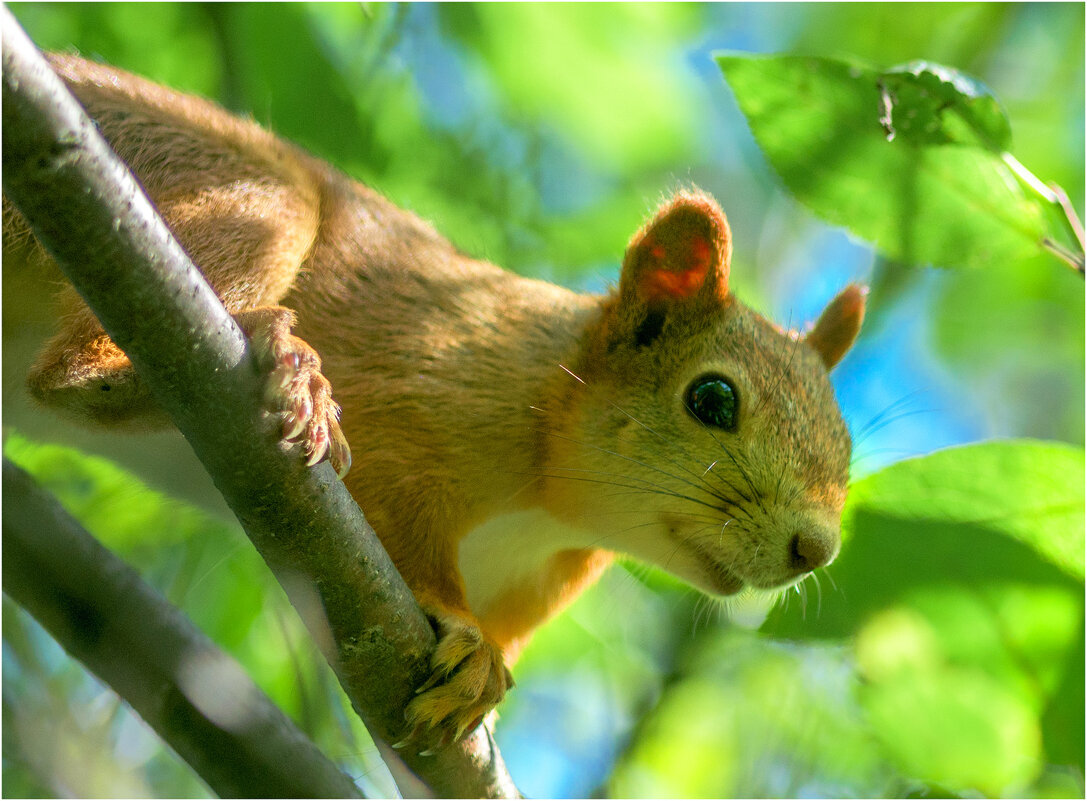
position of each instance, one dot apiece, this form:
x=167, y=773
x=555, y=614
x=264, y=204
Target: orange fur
x=508, y=434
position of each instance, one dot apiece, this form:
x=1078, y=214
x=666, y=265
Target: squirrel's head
x=701, y=437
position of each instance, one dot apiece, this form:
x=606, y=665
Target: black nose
x=812, y=548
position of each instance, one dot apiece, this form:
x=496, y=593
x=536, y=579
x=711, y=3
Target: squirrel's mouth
x=716, y=578
x=703, y=569
x=725, y=583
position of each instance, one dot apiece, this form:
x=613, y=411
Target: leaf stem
x=1073, y=260
x=1053, y=193
x=1029, y=178
x=1070, y=214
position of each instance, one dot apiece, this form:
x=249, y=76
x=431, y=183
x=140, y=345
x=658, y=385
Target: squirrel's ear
x=683, y=252
x=838, y=325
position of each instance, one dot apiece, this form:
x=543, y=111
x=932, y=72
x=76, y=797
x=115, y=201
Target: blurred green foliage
x=540, y=137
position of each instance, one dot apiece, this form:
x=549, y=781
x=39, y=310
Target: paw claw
x=279, y=383
x=318, y=442
x=339, y=452
x=468, y=679
x=301, y=413
x=467, y=728
x=436, y=678
x=293, y=426
x=296, y=389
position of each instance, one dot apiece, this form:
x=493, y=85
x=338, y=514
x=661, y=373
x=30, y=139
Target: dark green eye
x=712, y=400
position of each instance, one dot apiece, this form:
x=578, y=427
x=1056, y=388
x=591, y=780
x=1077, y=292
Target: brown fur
x=470, y=393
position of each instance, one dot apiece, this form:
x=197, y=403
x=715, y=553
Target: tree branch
x=196, y=697
x=89, y=213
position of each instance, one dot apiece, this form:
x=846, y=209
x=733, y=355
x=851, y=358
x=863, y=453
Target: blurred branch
x=89, y=213
x=196, y=697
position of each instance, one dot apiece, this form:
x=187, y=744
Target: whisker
x=644, y=480
x=875, y=429
x=743, y=473
x=818, y=595
x=889, y=409
x=631, y=459
x=570, y=372
x=683, y=451
x=665, y=491
x=667, y=442
x=781, y=375
x=700, y=606
x=833, y=583
x=707, y=489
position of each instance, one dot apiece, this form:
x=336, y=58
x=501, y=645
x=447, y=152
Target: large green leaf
x=964, y=569
x=998, y=513
x=910, y=158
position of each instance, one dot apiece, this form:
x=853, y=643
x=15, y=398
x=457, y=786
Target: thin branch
x=196, y=697
x=89, y=213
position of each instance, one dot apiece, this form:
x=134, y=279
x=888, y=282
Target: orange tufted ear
x=683, y=252
x=838, y=325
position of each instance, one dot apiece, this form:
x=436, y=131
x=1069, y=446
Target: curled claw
x=278, y=384
x=292, y=360
x=317, y=446
x=299, y=417
x=468, y=678
x=293, y=426
x=436, y=677
x=416, y=731
x=465, y=728
x=339, y=452
x=296, y=391
x=443, y=742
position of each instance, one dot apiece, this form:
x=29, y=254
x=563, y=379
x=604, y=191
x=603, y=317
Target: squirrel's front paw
x=297, y=391
x=468, y=679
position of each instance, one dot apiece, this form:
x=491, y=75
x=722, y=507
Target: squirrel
x=510, y=435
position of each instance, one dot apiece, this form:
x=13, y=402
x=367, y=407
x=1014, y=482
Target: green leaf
x=961, y=569
x=934, y=104
x=937, y=191
x=992, y=514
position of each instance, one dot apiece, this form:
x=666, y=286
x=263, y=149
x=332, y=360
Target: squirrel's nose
x=811, y=548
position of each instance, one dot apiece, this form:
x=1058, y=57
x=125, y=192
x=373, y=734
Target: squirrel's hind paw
x=296, y=390
x=468, y=679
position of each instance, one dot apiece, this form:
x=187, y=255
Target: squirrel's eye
x=712, y=400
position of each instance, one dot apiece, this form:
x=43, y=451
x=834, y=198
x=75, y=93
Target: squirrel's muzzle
x=812, y=547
